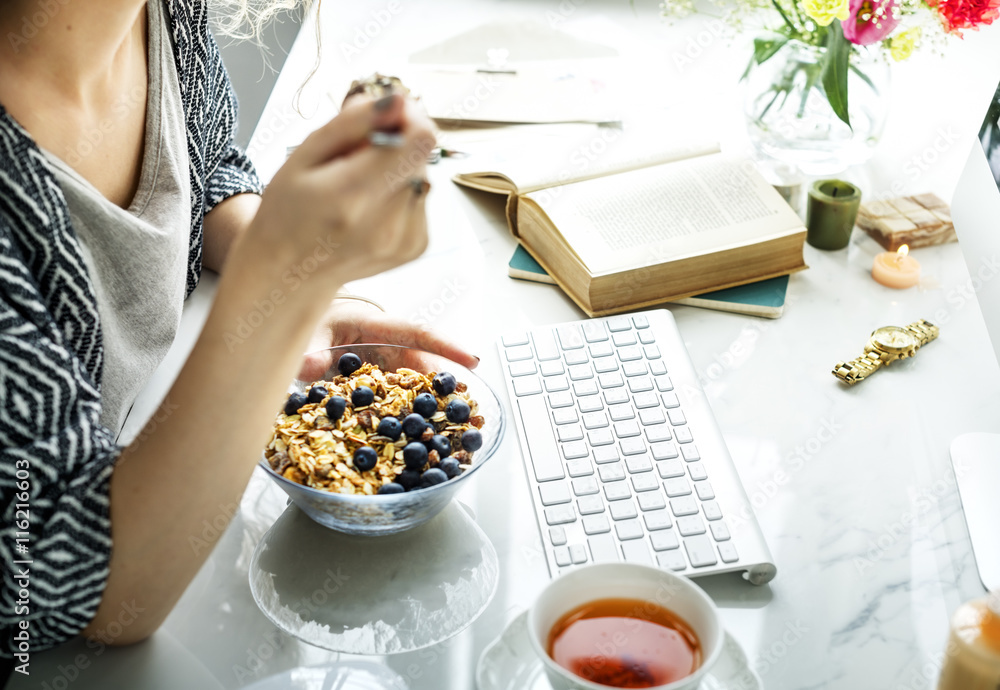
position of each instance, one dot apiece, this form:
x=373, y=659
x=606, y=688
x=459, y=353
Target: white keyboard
x=622, y=452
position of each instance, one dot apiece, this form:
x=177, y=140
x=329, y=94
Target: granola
x=360, y=433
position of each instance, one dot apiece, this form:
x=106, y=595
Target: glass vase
x=789, y=117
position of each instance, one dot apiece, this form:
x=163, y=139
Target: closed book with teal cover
x=764, y=298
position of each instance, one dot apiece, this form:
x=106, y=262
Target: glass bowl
x=391, y=513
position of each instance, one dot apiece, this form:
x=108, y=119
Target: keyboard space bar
x=542, y=444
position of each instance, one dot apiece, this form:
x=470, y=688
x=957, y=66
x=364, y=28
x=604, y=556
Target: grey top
x=137, y=257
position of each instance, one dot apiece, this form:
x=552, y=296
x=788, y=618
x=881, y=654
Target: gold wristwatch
x=885, y=346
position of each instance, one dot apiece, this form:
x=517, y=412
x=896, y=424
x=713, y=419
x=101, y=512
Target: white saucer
x=509, y=663
x=374, y=595
x=345, y=675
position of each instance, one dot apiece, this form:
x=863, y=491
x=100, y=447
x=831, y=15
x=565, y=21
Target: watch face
x=894, y=339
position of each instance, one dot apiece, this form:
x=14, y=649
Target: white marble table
x=853, y=487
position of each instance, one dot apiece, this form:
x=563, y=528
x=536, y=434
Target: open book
x=621, y=223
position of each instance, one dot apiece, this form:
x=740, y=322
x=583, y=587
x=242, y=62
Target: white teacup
x=627, y=581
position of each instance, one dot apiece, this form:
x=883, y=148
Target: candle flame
x=901, y=253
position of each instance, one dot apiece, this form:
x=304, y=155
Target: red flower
x=966, y=14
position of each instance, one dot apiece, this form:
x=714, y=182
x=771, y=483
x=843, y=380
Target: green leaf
x=836, y=61
x=765, y=46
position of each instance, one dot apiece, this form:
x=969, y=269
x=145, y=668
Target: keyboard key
x=623, y=338
x=690, y=453
x=594, y=331
x=617, y=491
x=663, y=383
x=671, y=560
x=557, y=400
x=579, y=372
x=570, y=336
x=602, y=350
x=554, y=384
x=542, y=445
x=610, y=380
x=712, y=510
x=664, y=540
x=621, y=412
x=600, y=437
x=652, y=416
x=627, y=354
x=646, y=337
x=522, y=368
x=596, y=524
x=589, y=505
x=704, y=490
x=678, y=486
x=696, y=469
x=636, y=464
x=554, y=493
x=545, y=345
x=585, y=486
x=640, y=321
x=612, y=472
x=632, y=446
x=657, y=367
x=595, y=420
x=690, y=525
x=512, y=339
x=637, y=552
x=582, y=388
x=614, y=396
x=569, y=432
x=552, y=368
x=619, y=323
x=683, y=434
x=628, y=529
x=516, y=354
x=685, y=505
x=640, y=384
x=644, y=400
x=561, y=554
x=578, y=553
x=592, y=403
x=657, y=519
x=676, y=417
x=634, y=368
x=565, y=415
x=727, y=552
x=664, y=450
x=623, y=510
x=719, y=530
x=651, y=351
x=645, y=482
x=605, y=454
x=560, y=515
x=576, y=357
x=659, y=433
x=603, y=548
x=626, y=429
x=670, y=468
x=557, y=535
x=574, y=449
x=602, y=365
x=651, y=500
x=700, y=551
x=527, y=385
x=670, y=400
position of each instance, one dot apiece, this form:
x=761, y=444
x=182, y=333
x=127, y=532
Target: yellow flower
x=901, y=45
x=823, y=12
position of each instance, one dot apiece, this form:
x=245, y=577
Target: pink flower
x=870, y=21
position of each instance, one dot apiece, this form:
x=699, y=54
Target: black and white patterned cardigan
x=55, y=457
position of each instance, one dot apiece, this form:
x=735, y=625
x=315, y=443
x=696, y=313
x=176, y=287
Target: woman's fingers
x=350, y=129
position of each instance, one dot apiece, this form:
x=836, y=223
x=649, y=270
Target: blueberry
x=425, y=404
x=316, y=394
x=444, y=384
x=450, y=467
x=391, y=488
x=390, y=427
x=362, y=396
x=414, y=425
x=295, y=401
x=335, y=407
x=457, y=411
x=472, y=440
x=408, y=479
x=441, y=444
x=365, y=458
x=415, y=455
x=348, y=364
x=432, y=476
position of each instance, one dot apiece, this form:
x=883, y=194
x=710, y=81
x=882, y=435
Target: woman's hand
x=348, y=322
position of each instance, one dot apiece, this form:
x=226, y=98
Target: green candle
x=831, y=212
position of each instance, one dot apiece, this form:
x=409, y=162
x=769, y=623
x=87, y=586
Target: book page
x=667, y=212
x=538, y=157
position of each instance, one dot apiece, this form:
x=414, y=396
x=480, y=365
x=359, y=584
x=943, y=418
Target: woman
x=118, y=182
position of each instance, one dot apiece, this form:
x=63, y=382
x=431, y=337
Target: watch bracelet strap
x=924, y=331
x=858, y=368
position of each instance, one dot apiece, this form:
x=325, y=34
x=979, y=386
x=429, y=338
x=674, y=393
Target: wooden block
x=905, y=205
x=921, y=220
x=930, y=201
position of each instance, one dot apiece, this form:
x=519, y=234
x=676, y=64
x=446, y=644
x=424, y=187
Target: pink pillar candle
x=896, y=269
